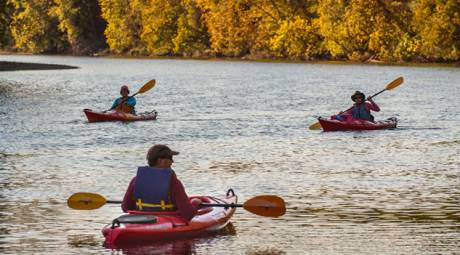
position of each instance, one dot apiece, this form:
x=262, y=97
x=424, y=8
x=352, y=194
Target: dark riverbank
x=17, y=66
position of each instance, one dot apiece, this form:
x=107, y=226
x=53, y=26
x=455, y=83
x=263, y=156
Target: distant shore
x=17, y=66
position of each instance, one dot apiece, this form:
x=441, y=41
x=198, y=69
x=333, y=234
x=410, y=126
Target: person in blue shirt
x=125, y=103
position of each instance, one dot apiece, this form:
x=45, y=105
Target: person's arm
x=128, y=200
x=115, y=104
x=371, y=105
x=184, y=207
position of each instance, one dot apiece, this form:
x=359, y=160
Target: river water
x=240, y=125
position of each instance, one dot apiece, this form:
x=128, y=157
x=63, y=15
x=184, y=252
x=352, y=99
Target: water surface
x=241, y=125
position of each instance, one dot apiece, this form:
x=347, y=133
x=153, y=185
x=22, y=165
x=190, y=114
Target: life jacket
x=152, y=189
x=123, y=106
x=360, y=112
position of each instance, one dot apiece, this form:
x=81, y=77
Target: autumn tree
x=362, y=30
x=437, y=23
x=192, y=36
x=81, y=21
x=159, y=20
x=231, y=24
x=34, y=29
x=124, y=26
x=296, y=30
x=391, y=38
x=5, y=18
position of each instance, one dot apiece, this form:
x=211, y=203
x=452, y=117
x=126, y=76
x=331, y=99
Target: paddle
x=149, y=85
x=267, y=205
x=395, y=83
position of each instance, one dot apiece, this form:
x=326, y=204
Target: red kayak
x=357, y=124
x=94, y=116
x=143, y=227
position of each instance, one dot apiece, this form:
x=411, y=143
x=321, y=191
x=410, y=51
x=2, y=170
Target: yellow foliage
x=352, y=29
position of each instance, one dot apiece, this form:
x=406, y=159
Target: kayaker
x=157, y=188
x=360, y=110
x=125, y=103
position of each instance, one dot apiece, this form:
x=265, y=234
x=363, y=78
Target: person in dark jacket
x=360, y=110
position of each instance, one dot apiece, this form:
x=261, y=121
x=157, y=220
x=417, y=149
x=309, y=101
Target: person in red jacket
x=360, y=110
x=156, y=187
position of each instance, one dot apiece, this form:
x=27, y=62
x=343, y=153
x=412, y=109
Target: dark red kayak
x=94, y=116
x=357, y=124
x=145, y=227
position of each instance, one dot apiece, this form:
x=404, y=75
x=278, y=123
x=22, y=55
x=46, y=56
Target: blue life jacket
x=360, y=112
x=127, y=107
x=152, y=189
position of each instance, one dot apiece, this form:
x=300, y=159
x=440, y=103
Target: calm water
x=241, y=125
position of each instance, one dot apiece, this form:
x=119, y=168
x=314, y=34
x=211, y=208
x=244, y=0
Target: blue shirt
x=131, y=101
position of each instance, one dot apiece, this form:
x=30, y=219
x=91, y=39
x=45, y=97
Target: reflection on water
x=179, y=247
x=264, y=251
x=448, y=214
x=83, y=241
x=241, y=125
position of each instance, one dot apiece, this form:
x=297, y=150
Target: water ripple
x=240, y=125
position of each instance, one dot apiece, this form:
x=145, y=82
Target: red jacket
x=178, y=197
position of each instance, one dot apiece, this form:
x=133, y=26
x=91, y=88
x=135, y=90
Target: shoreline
x=282, y=60
x=19, y=66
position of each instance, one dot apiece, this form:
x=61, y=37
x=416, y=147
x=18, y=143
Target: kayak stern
x=169, y=225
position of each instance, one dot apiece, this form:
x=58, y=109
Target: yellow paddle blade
x=149, y=85
x=315, y=126
x=267, y=205
x=395, y=83
x=85, y=201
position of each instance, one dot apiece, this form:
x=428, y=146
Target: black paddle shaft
x=202, y=204
x=378, y=93
x=113, y=202
x=221, y=205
